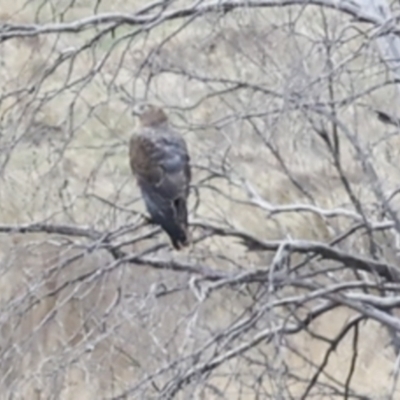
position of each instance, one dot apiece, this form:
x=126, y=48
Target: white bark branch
x=361, y=12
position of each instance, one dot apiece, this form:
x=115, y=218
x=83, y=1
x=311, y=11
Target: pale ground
x=65, y=333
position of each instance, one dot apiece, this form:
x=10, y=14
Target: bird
x=160, y=162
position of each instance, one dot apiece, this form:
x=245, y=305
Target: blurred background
x=289, y=290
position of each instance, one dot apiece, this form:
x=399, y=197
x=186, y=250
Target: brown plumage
x=160, y=161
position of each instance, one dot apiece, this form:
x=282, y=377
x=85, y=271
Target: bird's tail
x=174, y=222
x=177, y=230
x=178, y=234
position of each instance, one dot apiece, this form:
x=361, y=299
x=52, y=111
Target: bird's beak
x=135, y=112
x=137, y=109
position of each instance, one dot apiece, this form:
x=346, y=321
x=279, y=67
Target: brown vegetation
x=295, y=197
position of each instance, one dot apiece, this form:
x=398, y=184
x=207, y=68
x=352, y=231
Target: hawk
x=160, y=161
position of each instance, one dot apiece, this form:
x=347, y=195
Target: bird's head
x=149, y=114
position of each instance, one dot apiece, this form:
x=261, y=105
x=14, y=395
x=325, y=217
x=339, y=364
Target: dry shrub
x=75, y=322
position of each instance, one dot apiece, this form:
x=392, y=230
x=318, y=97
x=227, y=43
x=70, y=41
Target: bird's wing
x=161, y=163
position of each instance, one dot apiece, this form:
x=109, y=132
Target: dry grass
x=85, y=342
